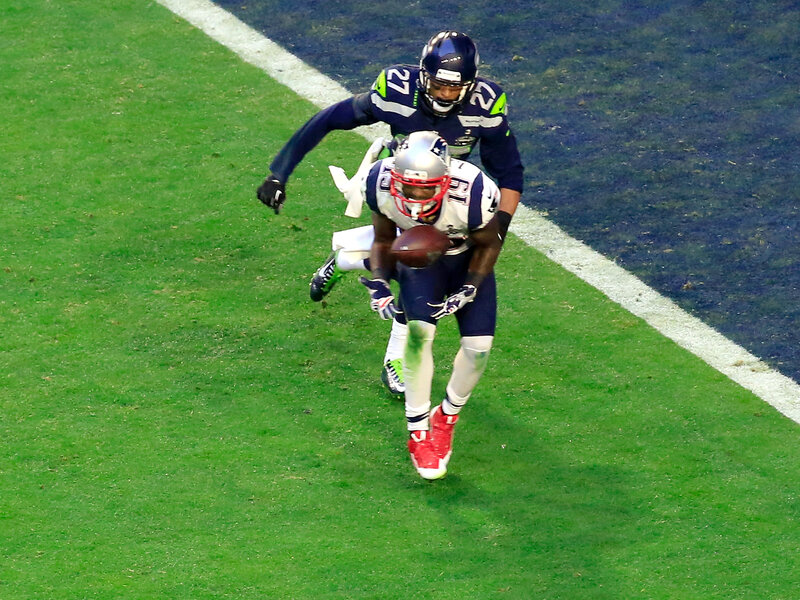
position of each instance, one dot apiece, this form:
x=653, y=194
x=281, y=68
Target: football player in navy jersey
x=443, y=94
x=422, y=185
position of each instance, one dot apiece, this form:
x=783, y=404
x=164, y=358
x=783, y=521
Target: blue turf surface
x=663, y=134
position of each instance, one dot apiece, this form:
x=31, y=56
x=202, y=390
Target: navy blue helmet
x=447, y=71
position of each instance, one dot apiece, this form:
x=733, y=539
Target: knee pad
x=420, y=332
x=476, y=348
x=477, y=344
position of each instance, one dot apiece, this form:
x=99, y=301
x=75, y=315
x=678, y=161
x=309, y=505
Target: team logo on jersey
x=456, y=236
x=465, y=140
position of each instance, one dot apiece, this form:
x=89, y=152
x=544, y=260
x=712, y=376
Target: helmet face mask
x=420, y=178
x=448, y=68
x=443, y=97
x=419, y=198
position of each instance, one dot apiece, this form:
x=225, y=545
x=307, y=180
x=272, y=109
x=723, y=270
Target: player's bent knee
x=349, y=260
x=476, y=348
x=420, y=332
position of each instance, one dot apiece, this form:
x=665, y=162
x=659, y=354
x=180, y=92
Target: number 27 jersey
x=481, y=120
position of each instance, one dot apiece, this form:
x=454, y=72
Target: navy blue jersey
x=395, y=100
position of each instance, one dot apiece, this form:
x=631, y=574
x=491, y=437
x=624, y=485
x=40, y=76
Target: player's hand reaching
x=381, y=298
x=272, y=193
x=452, y=303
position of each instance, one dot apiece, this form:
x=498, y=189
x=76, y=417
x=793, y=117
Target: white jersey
x=469, y=205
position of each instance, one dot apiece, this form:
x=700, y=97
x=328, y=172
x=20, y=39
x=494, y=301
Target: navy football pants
x=419, y=288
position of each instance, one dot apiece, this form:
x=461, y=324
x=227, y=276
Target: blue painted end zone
x=664, y=136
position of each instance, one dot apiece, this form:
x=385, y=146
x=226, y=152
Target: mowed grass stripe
x=178, y=420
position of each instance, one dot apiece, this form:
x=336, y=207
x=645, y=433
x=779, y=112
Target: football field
x=178, y=420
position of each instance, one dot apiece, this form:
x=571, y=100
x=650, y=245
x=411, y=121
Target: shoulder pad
x=397, y=79
x=488, y=98
x=380, y=84
x=499, y=106
x=370, y=184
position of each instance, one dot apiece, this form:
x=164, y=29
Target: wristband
x=503, y=221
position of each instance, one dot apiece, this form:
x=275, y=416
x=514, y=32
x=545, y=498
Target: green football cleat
x=392, y=376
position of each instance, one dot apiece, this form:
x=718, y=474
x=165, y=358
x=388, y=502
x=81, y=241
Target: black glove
x=272, y=193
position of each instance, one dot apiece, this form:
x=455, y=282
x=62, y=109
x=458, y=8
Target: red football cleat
x=442, y=426
x=423, y=455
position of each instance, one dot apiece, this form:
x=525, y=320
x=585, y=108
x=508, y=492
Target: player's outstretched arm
x=343, y=115
x=381, y=261
x=509, y=199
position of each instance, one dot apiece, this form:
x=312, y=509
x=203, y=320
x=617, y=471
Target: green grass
x=178, y=420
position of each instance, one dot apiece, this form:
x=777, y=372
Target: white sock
x=397, y=341
x=353, y=246
x=451, y=405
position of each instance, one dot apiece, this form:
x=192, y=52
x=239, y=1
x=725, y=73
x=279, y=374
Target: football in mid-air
x=420, y=246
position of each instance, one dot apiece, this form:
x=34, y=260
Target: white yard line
x=659, y=312
x=529, y=225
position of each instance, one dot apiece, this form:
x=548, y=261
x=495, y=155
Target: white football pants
x=353, y=246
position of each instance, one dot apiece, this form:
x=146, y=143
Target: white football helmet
x=420, y=178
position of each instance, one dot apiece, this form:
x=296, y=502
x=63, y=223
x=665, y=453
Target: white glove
x=381, y=298
x=452, y=303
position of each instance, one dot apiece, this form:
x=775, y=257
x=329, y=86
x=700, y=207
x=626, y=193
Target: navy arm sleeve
x=347, y=114
x=500, y=156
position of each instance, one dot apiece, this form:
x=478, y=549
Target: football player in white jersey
x=444, y=93
x=421, y=184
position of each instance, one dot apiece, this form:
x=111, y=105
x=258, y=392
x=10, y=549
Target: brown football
x=420, y=246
